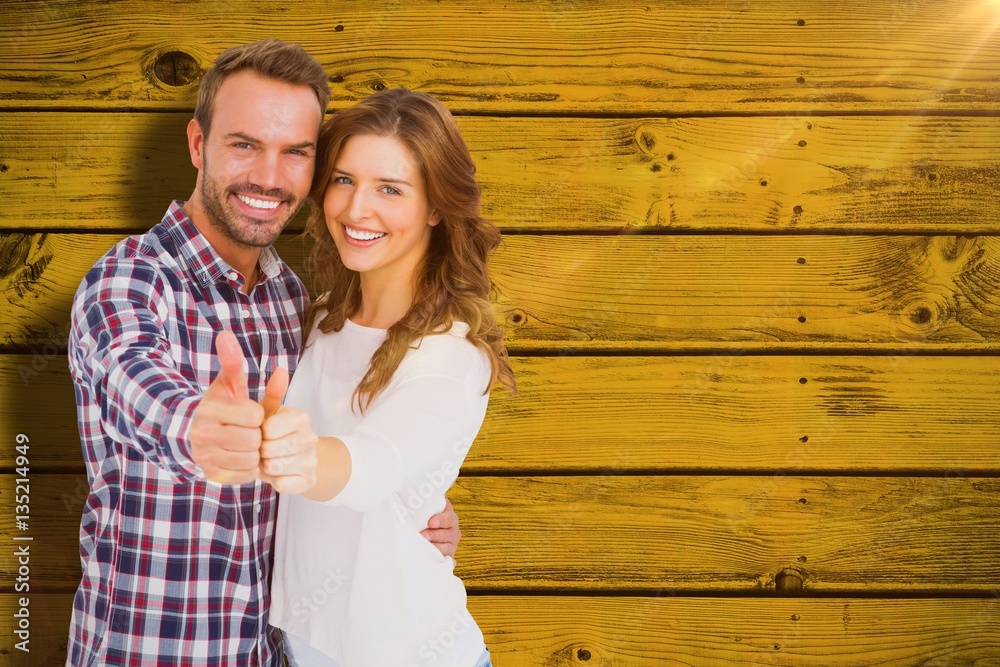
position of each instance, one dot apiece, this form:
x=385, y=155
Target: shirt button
x=257, y=507
x=245, y=314
x=232, y=275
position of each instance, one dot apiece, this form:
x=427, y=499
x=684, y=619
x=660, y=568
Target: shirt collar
x=196, y=254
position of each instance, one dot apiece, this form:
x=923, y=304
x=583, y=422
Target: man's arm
x=225, y=430
x=443, y=531
x=120, y=356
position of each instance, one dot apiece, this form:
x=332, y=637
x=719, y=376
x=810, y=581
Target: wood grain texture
x=871, y=414
x=604, y=57
x=671, y=535
x=599, y=293
x=664, y=535
x=694, y=534
x=771, y=194
x=668, y=414
x=748, y=293
x=671, y=631
x=858, y=174
x=676, y=632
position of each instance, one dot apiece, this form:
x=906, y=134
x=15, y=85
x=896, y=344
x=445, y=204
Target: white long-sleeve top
x=354, y=576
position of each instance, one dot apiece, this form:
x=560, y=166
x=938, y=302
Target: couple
x=177, y=348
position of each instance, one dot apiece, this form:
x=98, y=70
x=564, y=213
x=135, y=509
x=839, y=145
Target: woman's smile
x=362, y=237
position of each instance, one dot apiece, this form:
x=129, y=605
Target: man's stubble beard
x=223, y=217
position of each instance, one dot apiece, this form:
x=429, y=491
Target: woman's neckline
x=360, y=327
x=351, y=324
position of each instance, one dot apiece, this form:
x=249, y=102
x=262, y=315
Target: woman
x=402, y=352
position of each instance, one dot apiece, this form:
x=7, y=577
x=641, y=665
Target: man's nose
x=265, y=171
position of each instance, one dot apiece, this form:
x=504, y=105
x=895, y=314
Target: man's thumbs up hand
x=225, y=430
x=231, y=381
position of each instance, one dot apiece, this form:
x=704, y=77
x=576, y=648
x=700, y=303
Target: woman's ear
x=434, y=219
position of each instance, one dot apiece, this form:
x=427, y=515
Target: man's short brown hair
x=270, y=58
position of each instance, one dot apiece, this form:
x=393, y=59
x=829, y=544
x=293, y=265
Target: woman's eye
x=342, y=180
x=391, y=190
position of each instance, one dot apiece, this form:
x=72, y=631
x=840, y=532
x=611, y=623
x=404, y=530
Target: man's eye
x=242, y=144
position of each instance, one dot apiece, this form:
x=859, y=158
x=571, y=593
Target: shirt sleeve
x=421, y=426
x=120, y=354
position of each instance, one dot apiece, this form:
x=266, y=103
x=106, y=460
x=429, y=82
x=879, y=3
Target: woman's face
x=376, y=208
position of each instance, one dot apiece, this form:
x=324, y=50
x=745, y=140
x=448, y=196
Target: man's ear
x=196, y=144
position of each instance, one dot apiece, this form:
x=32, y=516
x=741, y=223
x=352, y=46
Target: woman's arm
x=333, y=469
x=419, y=429
x=413, y=430
x=291, y=435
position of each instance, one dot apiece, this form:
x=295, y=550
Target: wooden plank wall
x=750, y=281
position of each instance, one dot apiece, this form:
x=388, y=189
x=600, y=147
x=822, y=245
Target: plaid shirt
x=175, y=569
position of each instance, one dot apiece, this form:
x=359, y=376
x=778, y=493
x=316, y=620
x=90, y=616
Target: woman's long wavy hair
x=453, y=282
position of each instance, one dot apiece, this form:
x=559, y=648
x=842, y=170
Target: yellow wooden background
x=750, y=282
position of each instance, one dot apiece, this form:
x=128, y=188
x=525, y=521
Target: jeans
x=484, y=659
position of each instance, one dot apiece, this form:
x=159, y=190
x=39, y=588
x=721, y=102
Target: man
x=176, y=534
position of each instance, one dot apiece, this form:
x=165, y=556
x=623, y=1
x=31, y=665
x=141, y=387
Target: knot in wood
x=660, y=214
x=956, y=253
x=176, y=68
x=923, y=316
x=788, y=582
x=920, y=315
x=13, y=253
x=645, y=140
x=583, y=654
x=517, y=317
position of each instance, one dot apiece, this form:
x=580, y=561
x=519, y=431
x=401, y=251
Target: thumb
x=274, y=392
x=231, y=380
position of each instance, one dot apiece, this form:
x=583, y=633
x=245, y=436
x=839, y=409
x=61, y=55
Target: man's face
x=256, y=165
